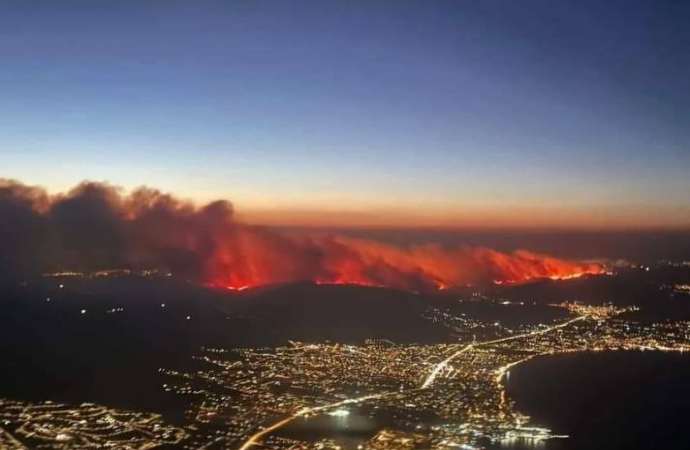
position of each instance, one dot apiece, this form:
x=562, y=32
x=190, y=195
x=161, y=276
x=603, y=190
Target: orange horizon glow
x=339, y=210
x=510, y=217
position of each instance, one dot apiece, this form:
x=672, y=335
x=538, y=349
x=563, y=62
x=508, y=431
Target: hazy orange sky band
x=288, y=209
x=594, y=218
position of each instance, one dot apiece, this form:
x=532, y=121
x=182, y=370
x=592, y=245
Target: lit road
x=443, y=364
x=438, y=368
x=8, y=441
x=256, y=438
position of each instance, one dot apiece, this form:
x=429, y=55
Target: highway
x=256, y=438
x=443, y=364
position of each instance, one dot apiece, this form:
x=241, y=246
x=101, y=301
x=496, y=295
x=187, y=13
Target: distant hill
x=348, y=313
x=103, y=340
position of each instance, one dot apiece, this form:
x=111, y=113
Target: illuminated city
x=459, y=385
x=341, y=225
x=441, y=396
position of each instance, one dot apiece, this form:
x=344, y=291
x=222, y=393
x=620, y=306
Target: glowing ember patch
x=238, y=288
x=598, y=271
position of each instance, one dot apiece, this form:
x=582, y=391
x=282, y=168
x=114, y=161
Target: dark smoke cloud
x=96, y=226
x=23, y=229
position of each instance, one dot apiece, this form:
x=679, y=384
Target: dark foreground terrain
x=104, y=340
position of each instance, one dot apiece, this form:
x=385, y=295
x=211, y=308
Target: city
x=338, y=225
x=440, y=396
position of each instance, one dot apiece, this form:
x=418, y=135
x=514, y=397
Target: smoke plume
x=98, y=226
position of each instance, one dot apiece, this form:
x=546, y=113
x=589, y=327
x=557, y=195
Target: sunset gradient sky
x=459, y=113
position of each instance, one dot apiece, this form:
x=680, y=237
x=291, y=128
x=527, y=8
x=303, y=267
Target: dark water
x=612, y=400
x=357, y=427
x=608, y=401
x=349, y=431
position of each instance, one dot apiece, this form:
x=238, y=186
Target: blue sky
x=462, y=112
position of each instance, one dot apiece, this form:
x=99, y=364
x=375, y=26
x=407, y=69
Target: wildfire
x=595, y=270
x=95, y=225
x=342, y=260
x=230, y=287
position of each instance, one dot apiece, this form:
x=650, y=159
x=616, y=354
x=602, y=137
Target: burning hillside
x=95, y=226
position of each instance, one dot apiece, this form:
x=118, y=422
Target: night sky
x=459, y=113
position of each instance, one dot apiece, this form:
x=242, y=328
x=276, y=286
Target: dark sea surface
x=349, y=431
x=609, y=400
